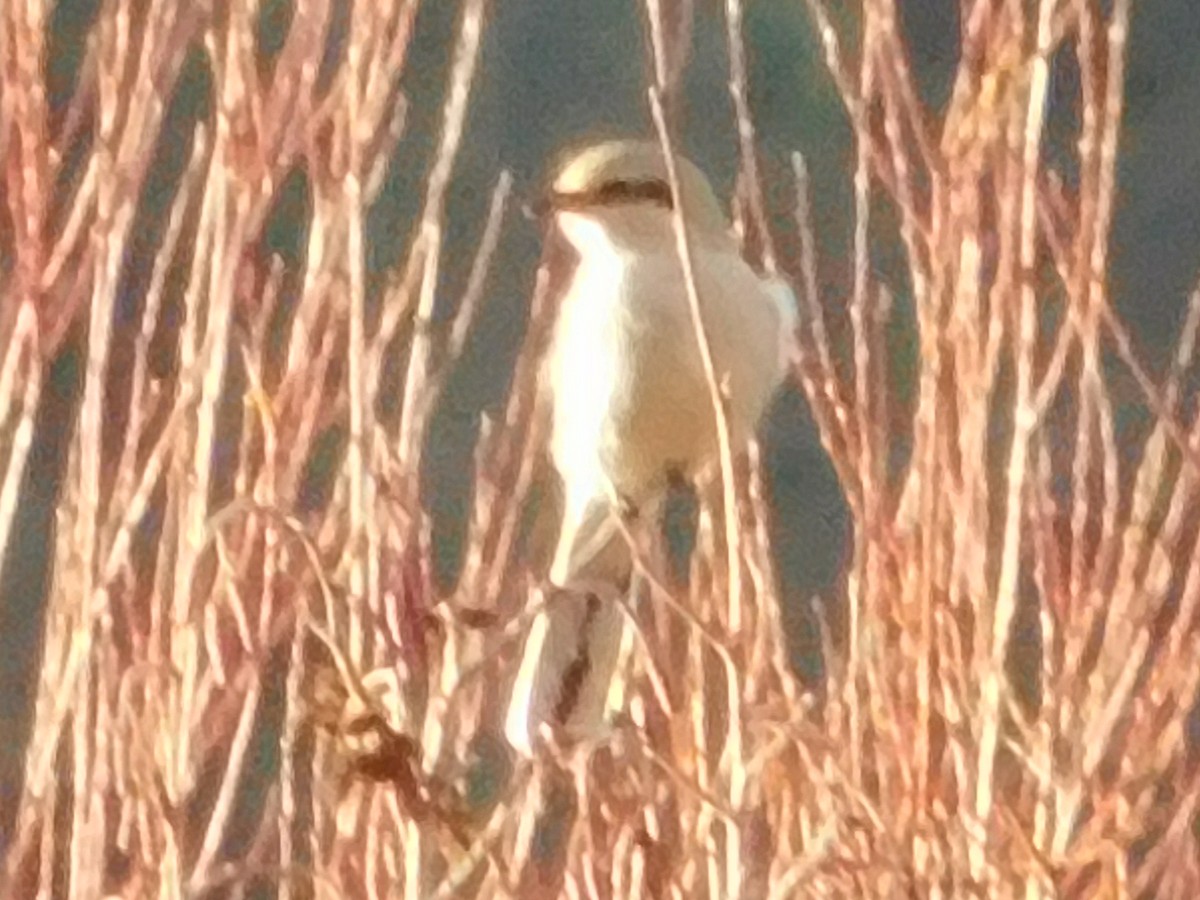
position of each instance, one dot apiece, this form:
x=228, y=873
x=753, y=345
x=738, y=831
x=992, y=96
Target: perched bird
x=628, y=401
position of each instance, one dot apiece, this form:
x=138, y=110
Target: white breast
x=629, y=393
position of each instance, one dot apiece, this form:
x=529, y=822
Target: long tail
x=567, y=670
x=571, y=653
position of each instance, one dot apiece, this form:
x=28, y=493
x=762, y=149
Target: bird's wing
x=789, y=312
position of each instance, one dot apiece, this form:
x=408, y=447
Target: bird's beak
x=538, y=209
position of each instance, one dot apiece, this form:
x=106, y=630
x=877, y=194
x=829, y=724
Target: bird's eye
x=615, y=192
x=640, y=190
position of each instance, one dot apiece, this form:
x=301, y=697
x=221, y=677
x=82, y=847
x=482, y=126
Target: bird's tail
x=574, y=644
x=567, y=670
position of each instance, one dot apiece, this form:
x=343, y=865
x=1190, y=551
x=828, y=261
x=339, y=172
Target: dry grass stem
x=243, y=558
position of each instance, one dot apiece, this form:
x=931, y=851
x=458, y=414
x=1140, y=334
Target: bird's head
x=619, y=192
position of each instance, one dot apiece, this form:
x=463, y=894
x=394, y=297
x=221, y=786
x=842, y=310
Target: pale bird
x=629, y=404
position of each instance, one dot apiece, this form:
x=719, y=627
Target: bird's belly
x=630, y=396
x=660, y=417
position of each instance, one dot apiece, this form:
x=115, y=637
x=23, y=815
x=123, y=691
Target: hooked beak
x=538, y=209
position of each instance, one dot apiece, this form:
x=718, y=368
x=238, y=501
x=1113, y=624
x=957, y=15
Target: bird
x=629, y=404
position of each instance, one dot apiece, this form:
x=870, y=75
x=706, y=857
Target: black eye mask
x=617, y=192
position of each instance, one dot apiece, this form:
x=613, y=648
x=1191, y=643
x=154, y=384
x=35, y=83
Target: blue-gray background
x=557, y=70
